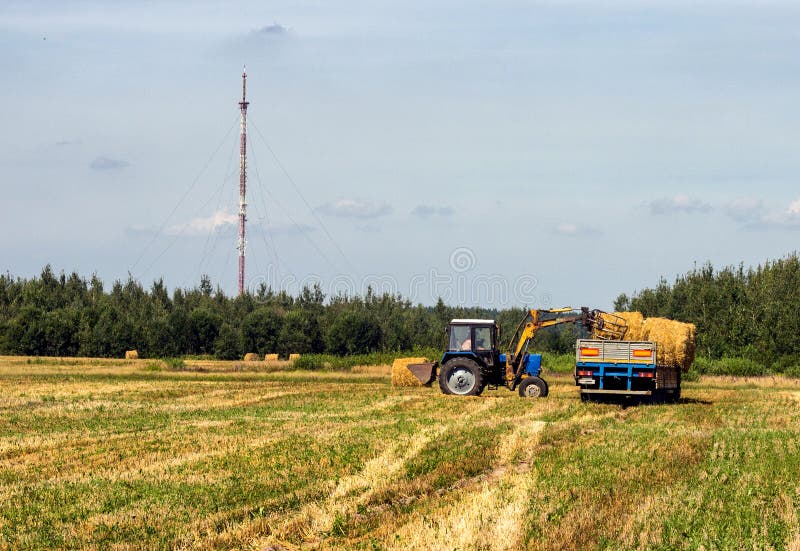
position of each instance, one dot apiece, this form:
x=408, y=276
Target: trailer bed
x=623, y=368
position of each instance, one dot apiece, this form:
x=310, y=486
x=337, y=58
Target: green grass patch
x=558, y=363
x=742, y=367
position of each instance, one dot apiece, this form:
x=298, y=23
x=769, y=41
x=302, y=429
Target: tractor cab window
x=483, y=338
x=460, y=337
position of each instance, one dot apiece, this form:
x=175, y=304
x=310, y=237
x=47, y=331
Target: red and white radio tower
x=242, y=244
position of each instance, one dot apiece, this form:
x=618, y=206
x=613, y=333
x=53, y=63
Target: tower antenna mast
x=242, y=243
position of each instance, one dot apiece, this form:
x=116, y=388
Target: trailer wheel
x=533, y=387
x=659, y=396
x=675, y=396
x=462, y=377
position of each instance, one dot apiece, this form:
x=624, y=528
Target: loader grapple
x=425, y=372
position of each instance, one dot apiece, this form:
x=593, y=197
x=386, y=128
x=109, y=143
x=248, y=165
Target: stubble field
x=103, y=453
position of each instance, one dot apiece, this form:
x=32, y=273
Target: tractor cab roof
x=472, y=322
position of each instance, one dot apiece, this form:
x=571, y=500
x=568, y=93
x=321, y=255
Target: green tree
x=61, y=332
x=160, y=339
x=300, y=333
x=204, y=328
x=227, y=343
x=260, y=331
x=180, y=329
x=353, y=332
x=622, y=303
x=25, y=332
x=113, y=333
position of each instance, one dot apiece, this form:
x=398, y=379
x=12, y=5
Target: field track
x=130, y=454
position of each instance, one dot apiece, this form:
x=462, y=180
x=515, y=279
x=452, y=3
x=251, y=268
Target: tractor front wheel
x=533, y=387
x=462, y=377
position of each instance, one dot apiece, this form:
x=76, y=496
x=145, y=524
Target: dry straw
x=271, y=358
x=251, y=357
x=401, y=376
x=132, y=355
x=675, y=340
x=633, y=320
x=635, y=323
x=293, y=357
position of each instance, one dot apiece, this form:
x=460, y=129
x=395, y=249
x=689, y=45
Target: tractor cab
x=476, y=341
x=473, y=337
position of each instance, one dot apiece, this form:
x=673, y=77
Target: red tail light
x=648, y=374
x=584, y=373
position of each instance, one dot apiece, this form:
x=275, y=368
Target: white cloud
x=355, y=208
x=222, y=221
x=369, y=228
x=202, y=226
x=786, y=218
x=571, y=229
x=678, y=203
x=745, y=209
x=275, y=28
x=288, y=229
x=567, y=228
x=104, y=163
x=426, y=211
x=753, y=214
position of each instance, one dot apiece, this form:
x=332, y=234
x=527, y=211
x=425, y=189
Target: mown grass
x=111, y=454
x=329, y=362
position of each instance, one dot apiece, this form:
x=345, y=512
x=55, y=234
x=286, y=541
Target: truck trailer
x=624, y=369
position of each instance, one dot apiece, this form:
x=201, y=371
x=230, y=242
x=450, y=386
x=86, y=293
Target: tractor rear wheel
x=462, y=377
x=533, y=387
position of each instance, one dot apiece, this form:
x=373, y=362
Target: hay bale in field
x=675, y=340
x=131, y=354
x=251, y=357
x=293, y=357
x=401, y=376
x=270, y=357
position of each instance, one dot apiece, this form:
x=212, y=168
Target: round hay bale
x=401, y=376
x=293, y=357
x=675, y=340
x=270, y=357
x=131, y=354
x=635, y=323
x=251, y=357
x=632, y=321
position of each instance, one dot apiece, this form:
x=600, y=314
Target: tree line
x=739, y=312
x=55, y=314
x=752, y=313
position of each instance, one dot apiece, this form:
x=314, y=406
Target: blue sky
x=503, y=153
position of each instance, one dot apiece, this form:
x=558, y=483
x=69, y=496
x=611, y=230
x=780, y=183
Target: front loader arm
x=526, y=331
